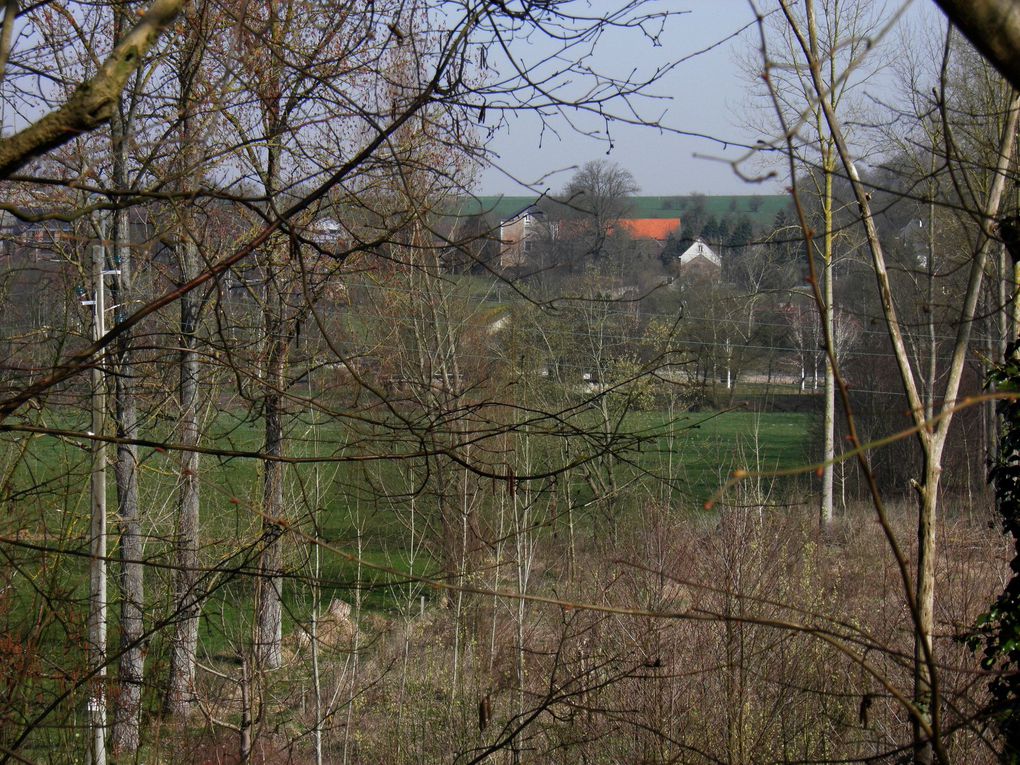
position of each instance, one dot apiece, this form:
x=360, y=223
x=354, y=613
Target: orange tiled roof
x=651, y=228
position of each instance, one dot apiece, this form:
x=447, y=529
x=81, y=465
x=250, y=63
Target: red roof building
x=658, y=229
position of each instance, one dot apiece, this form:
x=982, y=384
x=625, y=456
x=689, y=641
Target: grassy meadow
x=359, y=507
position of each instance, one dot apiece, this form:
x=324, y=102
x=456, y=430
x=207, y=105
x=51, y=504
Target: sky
x=708, y=94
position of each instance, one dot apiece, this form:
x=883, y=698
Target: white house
x=701, y=257
x=518, y=235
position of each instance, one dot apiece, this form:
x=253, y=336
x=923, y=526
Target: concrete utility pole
x=97, y=537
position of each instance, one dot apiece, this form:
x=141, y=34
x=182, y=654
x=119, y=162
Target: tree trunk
x=269, y=586
x=186, y=603
x=924, y=692
x=1014, y=328
x=129, y=697
x=828, y=309
x=993, y=26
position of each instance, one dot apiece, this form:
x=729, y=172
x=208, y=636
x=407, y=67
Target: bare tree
x=931, y=436
x=837, y=32
x=594, y=200
x=600, y=189
x=191, y=76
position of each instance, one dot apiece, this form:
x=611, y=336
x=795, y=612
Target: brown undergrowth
x=747, y=637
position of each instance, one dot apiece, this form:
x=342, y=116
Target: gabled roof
x=658, y=229
x=526, y=211
x=699, y=250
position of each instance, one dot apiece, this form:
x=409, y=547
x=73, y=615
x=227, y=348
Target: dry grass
x=762, y=642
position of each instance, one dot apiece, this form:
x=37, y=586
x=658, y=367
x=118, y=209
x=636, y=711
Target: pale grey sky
x=707, y=94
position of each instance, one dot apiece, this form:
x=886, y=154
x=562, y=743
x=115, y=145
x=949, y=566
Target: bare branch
x=993, y=26
x=92, y=103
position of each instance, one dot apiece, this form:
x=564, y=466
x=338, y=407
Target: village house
x=654, y=231
x=519, y=234
x=700, y=261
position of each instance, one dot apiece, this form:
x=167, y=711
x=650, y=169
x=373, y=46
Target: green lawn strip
x=709, y=446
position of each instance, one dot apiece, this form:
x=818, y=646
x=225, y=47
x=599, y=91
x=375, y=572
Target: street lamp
x=97, y=532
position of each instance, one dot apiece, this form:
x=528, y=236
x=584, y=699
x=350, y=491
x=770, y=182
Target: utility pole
x=97, y=539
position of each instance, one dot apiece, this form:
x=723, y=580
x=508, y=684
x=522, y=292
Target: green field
x=683, y=462
x=708, y=446
x=702, y=448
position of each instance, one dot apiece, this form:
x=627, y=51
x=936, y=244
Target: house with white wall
x=699, y=259
x=519, y=235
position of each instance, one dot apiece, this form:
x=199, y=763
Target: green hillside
x=761, y=209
